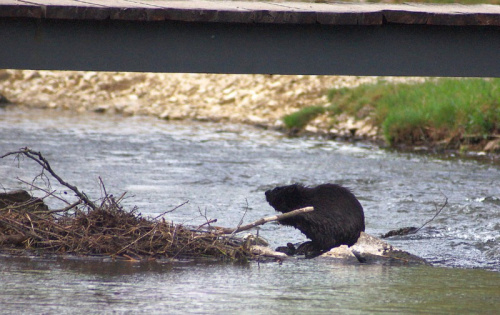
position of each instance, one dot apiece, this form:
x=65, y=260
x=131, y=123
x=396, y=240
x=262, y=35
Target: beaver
x=337, y=219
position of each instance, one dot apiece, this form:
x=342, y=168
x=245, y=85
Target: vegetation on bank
x=301, y=118
x=451, y=113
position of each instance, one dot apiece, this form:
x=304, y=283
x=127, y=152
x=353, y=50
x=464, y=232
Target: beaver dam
x=105, y=228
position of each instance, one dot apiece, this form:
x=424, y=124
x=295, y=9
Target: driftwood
x=264, y=221
x=267, y=252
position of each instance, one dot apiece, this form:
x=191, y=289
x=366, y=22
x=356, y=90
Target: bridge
x=250, y=37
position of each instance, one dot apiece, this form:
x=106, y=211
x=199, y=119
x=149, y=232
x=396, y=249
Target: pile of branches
x=89, y=228
x=108, y=230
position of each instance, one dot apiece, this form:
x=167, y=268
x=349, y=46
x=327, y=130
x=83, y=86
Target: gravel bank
x=251, y=99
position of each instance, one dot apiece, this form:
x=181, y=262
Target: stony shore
x=260, y=100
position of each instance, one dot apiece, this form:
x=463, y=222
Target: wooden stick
x=435, y=215
x=66, y=209
x=264, y=221
x=38, y=158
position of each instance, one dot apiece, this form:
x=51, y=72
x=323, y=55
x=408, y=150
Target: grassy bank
x=447, y=113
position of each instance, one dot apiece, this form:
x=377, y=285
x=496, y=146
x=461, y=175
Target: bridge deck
x=253, y=12
x=250, y=37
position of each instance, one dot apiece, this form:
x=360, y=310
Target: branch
x=66, y=209
x=206, y=223
x=265, y=220
x=413, y=230
x=435, y=215
x=38, y=158
x=171, y=210
x=241, y=221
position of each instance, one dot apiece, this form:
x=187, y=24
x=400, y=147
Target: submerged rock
x=14, y=196
x=22, y=198
x=369, y=249
x=15, y=207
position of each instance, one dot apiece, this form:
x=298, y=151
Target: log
x=264, y=221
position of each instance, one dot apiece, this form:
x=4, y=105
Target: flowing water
x=223, y=171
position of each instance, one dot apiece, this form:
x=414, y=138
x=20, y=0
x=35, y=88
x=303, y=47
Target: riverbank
x=439, y=114
x=260, y=100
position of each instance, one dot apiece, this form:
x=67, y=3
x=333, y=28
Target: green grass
x=452, y=111
x=299, y=119
x=430, y=111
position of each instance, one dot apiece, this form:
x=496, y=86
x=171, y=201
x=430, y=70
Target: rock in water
x=369, y=249
x=22, y=197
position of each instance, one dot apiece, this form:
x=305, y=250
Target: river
x=223, y=171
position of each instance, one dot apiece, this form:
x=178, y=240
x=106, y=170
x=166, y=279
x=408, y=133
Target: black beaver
x=337, y=218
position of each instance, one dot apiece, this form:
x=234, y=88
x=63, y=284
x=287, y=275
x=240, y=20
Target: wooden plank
x=14, y=8
x=255, y=12
x=197, y=11
x=68, y=9
x=433, y=14
x=126, y=10
x=279, y=13
x=339, y=14
x=268, y=12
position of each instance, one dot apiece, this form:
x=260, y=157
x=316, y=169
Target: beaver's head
x=286, y=198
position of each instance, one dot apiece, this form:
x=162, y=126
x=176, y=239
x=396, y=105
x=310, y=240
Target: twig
x=171, y=210
x=265, y=220
x=31, y=232
x=241, y=220
x=65, y=209
x=207, y=220
x=103, y=188
x=412, y=230
x=121, y=197
x=206, y=223
x=137, y=239
x=435, y=215
x=54, y=224
x=150, y=231
x=38, y=158
x=47, y=192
